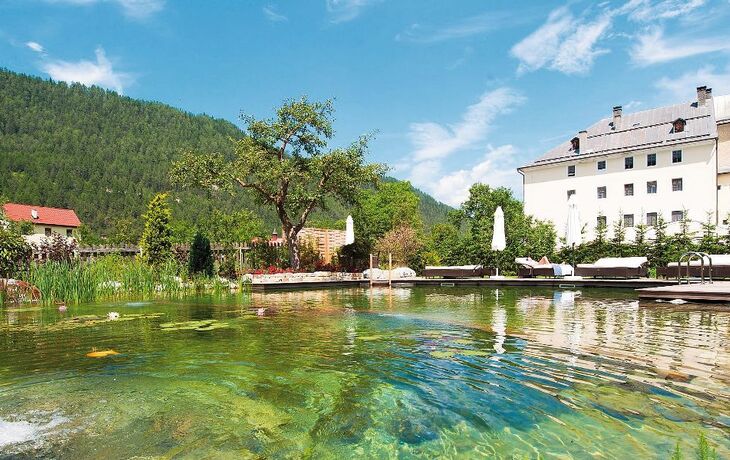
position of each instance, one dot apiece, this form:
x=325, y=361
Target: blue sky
x=459, y=92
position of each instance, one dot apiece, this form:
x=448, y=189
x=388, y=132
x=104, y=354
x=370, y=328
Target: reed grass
x=114, y=277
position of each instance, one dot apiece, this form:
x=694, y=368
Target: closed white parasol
x=572, y=228
x=349, y=230
x=499, y=241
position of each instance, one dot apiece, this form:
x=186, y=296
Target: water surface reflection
x=420, y=372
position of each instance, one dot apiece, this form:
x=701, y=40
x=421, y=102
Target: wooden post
x=390, y=269
x=371, y=270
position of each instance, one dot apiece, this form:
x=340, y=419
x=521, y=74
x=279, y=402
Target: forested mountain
x=106, y=155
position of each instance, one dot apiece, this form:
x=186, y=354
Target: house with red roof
x=46, y=221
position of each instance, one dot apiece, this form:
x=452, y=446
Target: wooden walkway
x=718, y=291
x=560, y=283
x=646, y=288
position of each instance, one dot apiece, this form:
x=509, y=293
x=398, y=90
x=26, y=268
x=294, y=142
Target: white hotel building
x=638, y=166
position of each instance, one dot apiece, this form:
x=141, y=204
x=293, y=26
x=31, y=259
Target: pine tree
x=156, y=242
x=201, y=257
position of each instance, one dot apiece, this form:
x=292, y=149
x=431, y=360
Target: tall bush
x=156, y=241
x=200, y=261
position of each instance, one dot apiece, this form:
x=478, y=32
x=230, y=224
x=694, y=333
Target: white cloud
x=497, y=168
x=346, y=10
x=136, y=9
x=653, y=48
x=683, y=87
x=632, y=105
x=577, y=52
x=433, y=140
x=272, y=15
x=467, y=27
x=563, y=43
x=89, y=73
x=35, y=46
x=540, y=47
x=648, y=11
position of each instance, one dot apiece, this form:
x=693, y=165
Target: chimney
x=583, y=141
x=702, y=95
x=617, y=110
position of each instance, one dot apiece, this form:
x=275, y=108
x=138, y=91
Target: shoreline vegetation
x=115, y=277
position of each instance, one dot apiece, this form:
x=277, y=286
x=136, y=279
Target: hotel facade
x=668, y=162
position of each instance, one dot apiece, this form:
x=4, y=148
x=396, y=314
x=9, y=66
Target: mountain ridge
x=105, y=155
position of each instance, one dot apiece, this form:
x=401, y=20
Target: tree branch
x=258, y=188
x=312, y=202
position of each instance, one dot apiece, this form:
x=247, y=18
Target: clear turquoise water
x=410, y=373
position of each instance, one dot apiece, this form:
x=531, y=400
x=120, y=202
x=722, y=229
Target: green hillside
x=105, y=155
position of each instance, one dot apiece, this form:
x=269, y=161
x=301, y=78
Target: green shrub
x=15, y=253
x=156, y=241
x=200, y=261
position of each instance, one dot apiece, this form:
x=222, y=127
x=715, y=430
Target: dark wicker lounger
x=613, y=272
x=615, y=267
x=456, y=272
x=524, y=271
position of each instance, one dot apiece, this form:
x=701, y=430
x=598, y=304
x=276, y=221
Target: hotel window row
x=651, y=219
x=629, y=162
x=651, y=188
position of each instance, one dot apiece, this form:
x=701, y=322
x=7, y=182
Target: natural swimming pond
x=414, y=373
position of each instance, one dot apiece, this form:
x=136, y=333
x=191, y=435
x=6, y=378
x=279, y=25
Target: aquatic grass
x=703, y=452
x=115, y=277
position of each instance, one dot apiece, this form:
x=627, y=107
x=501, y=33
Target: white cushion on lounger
x=616, y=262
x=527, y=261
x=452, y=267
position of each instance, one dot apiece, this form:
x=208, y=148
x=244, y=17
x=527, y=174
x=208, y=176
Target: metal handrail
x=688, y=257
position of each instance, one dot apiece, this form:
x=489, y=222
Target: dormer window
x=678, y=125
x=575, y=144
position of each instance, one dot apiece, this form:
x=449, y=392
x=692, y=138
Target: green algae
x=442, y=354
x=473, y=353
x=77, y=322
x=200, y=326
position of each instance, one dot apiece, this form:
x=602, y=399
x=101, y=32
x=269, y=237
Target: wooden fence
x=220, y=251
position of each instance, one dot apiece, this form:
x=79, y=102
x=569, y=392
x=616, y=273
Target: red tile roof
x=46, y=216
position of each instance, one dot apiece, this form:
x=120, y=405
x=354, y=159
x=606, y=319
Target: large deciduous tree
x=285, y=161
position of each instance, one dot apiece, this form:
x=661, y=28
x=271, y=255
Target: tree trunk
x=292, y=241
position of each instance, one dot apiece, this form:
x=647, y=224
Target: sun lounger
x=460, y=271
x=615, y=267
x=720, y=267
x=530, y=268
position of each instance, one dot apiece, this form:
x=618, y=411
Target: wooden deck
x=718, y=291
x=486, y=282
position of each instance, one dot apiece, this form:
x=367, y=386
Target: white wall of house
x=546, y=188
x=40, y=229
x=723, y=179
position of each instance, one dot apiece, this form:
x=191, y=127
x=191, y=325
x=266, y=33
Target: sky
x=456, y=92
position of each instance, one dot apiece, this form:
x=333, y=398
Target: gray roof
x=640, y=130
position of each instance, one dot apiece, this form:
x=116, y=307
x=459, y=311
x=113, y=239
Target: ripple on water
x=342, y=374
